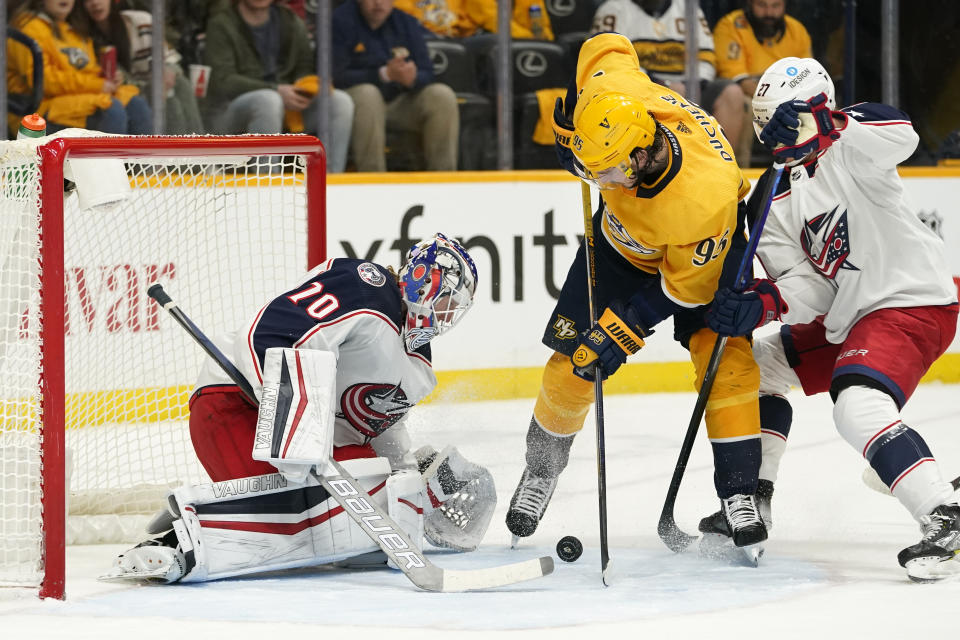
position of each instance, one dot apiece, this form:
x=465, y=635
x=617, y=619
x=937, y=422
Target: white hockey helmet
x=437, y=283
x=789, y=79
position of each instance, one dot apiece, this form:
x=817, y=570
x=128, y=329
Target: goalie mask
x=437, y=284
x=789, y=79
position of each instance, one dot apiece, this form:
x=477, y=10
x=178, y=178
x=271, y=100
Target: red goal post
x=99, y=379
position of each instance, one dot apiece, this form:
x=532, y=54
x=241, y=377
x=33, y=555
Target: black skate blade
x=718, y=547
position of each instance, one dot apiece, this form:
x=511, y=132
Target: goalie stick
x=672, y=536
x=364, y=511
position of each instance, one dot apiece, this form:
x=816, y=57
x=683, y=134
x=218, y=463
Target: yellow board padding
x=165, y=179
x=509, y=383
x=550, y=175
x=524, y=382
x=640, y=377
x=94, y=408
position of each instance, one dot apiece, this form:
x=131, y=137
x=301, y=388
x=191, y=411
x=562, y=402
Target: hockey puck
x=569, y=548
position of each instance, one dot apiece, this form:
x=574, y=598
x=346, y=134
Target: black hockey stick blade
x=672, y=536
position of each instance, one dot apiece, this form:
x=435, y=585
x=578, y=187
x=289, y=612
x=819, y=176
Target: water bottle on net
x=32, y=126
x=18, y=179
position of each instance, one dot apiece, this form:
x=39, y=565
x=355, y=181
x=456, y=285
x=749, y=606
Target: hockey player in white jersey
x=374, y=327
x=862, y=287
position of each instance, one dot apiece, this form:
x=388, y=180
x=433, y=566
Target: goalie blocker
x=288, y=519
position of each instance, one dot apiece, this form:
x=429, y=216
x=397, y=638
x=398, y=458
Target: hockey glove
x=737, y=313
x=562, y=125
x=618, y=334
x=790, y=135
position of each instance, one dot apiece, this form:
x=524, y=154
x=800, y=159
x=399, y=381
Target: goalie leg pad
x=266, y=523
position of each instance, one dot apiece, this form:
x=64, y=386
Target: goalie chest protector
x=353, y=309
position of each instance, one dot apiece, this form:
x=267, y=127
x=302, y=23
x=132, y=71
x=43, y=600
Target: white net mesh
x=221, y=236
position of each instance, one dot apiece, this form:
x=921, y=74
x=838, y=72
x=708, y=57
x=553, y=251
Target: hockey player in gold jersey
x=669, y=229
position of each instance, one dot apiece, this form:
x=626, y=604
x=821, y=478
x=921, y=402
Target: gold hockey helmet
x=607, y=130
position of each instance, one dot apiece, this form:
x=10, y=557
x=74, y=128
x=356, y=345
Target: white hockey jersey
x=353, y=309
x=841, y=241
x=660, y=41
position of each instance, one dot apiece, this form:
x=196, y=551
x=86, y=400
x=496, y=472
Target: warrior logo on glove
x=610, y=341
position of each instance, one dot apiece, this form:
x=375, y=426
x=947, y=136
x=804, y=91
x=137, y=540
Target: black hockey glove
x=562, y=125
x=788, y=137
x=737, y=313
x=618, y=334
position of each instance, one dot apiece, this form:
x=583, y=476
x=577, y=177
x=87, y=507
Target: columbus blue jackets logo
x=826, y=241
x=371, y=408
x=371, y=275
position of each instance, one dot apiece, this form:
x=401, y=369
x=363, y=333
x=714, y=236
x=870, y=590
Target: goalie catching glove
x=618, y=334
x=737, y=313
x=460, y=498
x=791, y=133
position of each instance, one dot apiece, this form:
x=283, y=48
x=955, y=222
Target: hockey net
x=94, y=390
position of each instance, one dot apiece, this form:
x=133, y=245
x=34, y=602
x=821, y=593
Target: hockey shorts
x=889, y=350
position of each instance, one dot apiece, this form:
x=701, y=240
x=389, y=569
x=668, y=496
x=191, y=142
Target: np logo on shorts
x=371, y=275
x=564, y=329
x=619, y=234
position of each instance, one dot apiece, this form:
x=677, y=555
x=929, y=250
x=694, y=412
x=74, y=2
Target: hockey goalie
x=336, y=363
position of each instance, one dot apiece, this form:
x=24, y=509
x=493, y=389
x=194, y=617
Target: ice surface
x=829, y=571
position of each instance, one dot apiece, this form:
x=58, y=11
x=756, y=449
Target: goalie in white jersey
x=862, y=286
x=374, y=328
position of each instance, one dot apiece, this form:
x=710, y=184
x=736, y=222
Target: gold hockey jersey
x=741, y=55
x=681, y=222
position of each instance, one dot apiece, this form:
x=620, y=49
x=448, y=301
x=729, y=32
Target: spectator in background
x=656, y=29
x=262, y=75
x=464, y=18
x=751, y=39
x=381, y=58
x=131, y=33
x=184, y=24
x=748, y=41
x=74, y=93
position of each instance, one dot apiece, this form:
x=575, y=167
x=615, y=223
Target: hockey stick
x=667, y=528
x=588, y=243
x=364, y=511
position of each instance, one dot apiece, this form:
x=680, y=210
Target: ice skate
x=150, y=561
x=735, y=533
x=529, y=502
x=937, y=555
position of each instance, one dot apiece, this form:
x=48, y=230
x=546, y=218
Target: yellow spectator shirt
x=681, y=222
x=741, y=55
x=462, y=18
x=72, y=86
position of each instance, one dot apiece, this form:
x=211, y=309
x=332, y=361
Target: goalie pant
x=266, y=523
